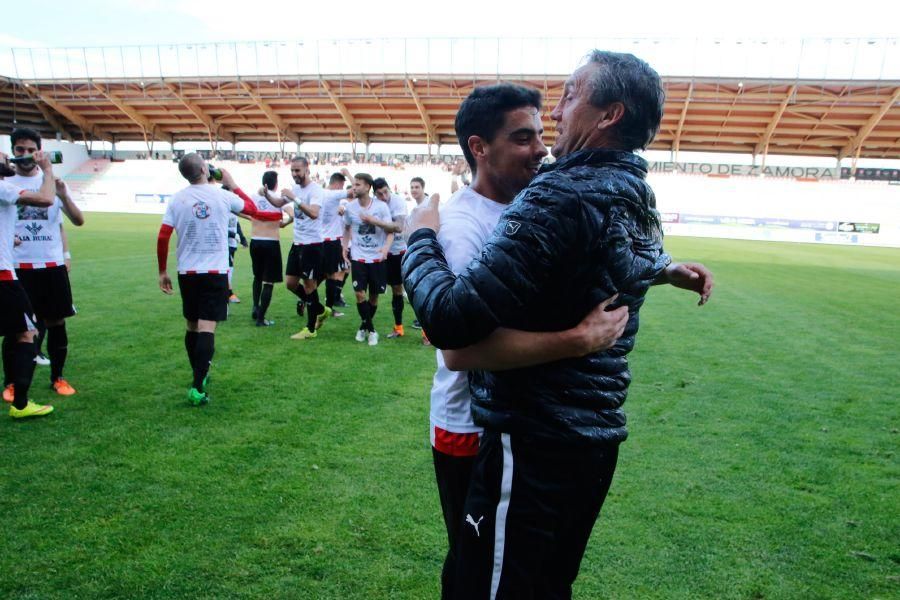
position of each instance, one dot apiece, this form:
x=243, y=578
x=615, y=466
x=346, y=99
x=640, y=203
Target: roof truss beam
x=86, y=127
x=426, y=120
x=280, y=126
x=355, y=131
x=763, y=144
x=857, y=141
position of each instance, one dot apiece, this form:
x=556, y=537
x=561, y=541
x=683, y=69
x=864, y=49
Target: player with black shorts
x=40, y=257
x=334, y=203
x=307, y=252
x=366, y=243
x=17, y=319
x=199, y=214
x=397, y=206
x=265, y=246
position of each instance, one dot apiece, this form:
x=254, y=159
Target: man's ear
x=476, y=146
x=610, y=115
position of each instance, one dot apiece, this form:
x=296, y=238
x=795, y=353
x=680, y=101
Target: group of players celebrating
x=355, y=229
x=35, y=295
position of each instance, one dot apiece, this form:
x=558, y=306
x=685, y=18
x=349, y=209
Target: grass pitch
x=761, y=464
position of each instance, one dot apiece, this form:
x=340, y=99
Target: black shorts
x=266, y=257
x=16, y=315
x=333, y=257
x=49, y=291
x=231, y=251
x=368, y=276
x=305, y=261
x=394, y=276
x=204, y=296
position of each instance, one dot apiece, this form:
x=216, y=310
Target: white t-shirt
x=38, y=228
x=397, y=206
x=332, y=223
x=199, y=213
x=366, y=241
x=232, y=231
x=467, y=221
x=306, y=230
x=9, y=196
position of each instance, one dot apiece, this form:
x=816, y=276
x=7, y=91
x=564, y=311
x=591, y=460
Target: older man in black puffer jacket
x=584, y=229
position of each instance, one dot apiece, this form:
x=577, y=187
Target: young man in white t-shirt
x=199, y=215
x=333, y=265
x=503, y=124
x=397, y=206
x=366, y=244
x=41, y=259
x=17, y=319
x=417, y=193
x=305, y=258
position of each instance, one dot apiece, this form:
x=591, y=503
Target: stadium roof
x=812, y=117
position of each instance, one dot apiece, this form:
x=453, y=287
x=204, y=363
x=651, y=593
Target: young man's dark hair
x=24, y=133
x=379, y=183
x=481, y=113
x=301, y=159
x=418, y=180
x=270, y=180
x=638, y=87
x=337, y=178
x=364, y=177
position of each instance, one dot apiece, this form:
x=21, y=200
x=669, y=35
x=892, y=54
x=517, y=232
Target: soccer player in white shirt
x=199, y=214
x=397, y=206
x=366, y=244
x=40, y=257
x=17, y=319
x=305, y=259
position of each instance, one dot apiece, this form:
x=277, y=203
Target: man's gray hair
x=191, y=167
x=627, y=79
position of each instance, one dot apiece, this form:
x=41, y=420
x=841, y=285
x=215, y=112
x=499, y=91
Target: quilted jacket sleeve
x=533, y=239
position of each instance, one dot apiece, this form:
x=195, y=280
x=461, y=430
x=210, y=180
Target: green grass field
x=762, y=461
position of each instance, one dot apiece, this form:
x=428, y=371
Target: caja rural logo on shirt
x=201, y=210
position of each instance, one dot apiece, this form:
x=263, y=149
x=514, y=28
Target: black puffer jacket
x=584, y=229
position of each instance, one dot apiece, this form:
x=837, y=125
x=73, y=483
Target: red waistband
x=203, y=272
x=456, y=444
x=368, y=262
x=7, y=275
x=401, y=253
x=337, y=239
x=37, y=265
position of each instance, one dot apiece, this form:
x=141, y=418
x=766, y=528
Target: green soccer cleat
x=197, y=398
x=326, y=312
x=32, y=409
x=304, y=334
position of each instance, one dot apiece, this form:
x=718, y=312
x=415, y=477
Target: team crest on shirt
x=263, y=205
x=33, y=213
x=201, y=210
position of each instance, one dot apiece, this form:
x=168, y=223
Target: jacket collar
x=601, y=157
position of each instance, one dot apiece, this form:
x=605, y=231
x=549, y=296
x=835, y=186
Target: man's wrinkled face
x=576, y=118
x=360, y=188
x=21, y=148
x=416, y=191
x=300, y=172
x=383, y=193
x=515, y=154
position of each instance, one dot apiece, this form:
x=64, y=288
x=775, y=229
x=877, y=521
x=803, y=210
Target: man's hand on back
x=600, y=329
